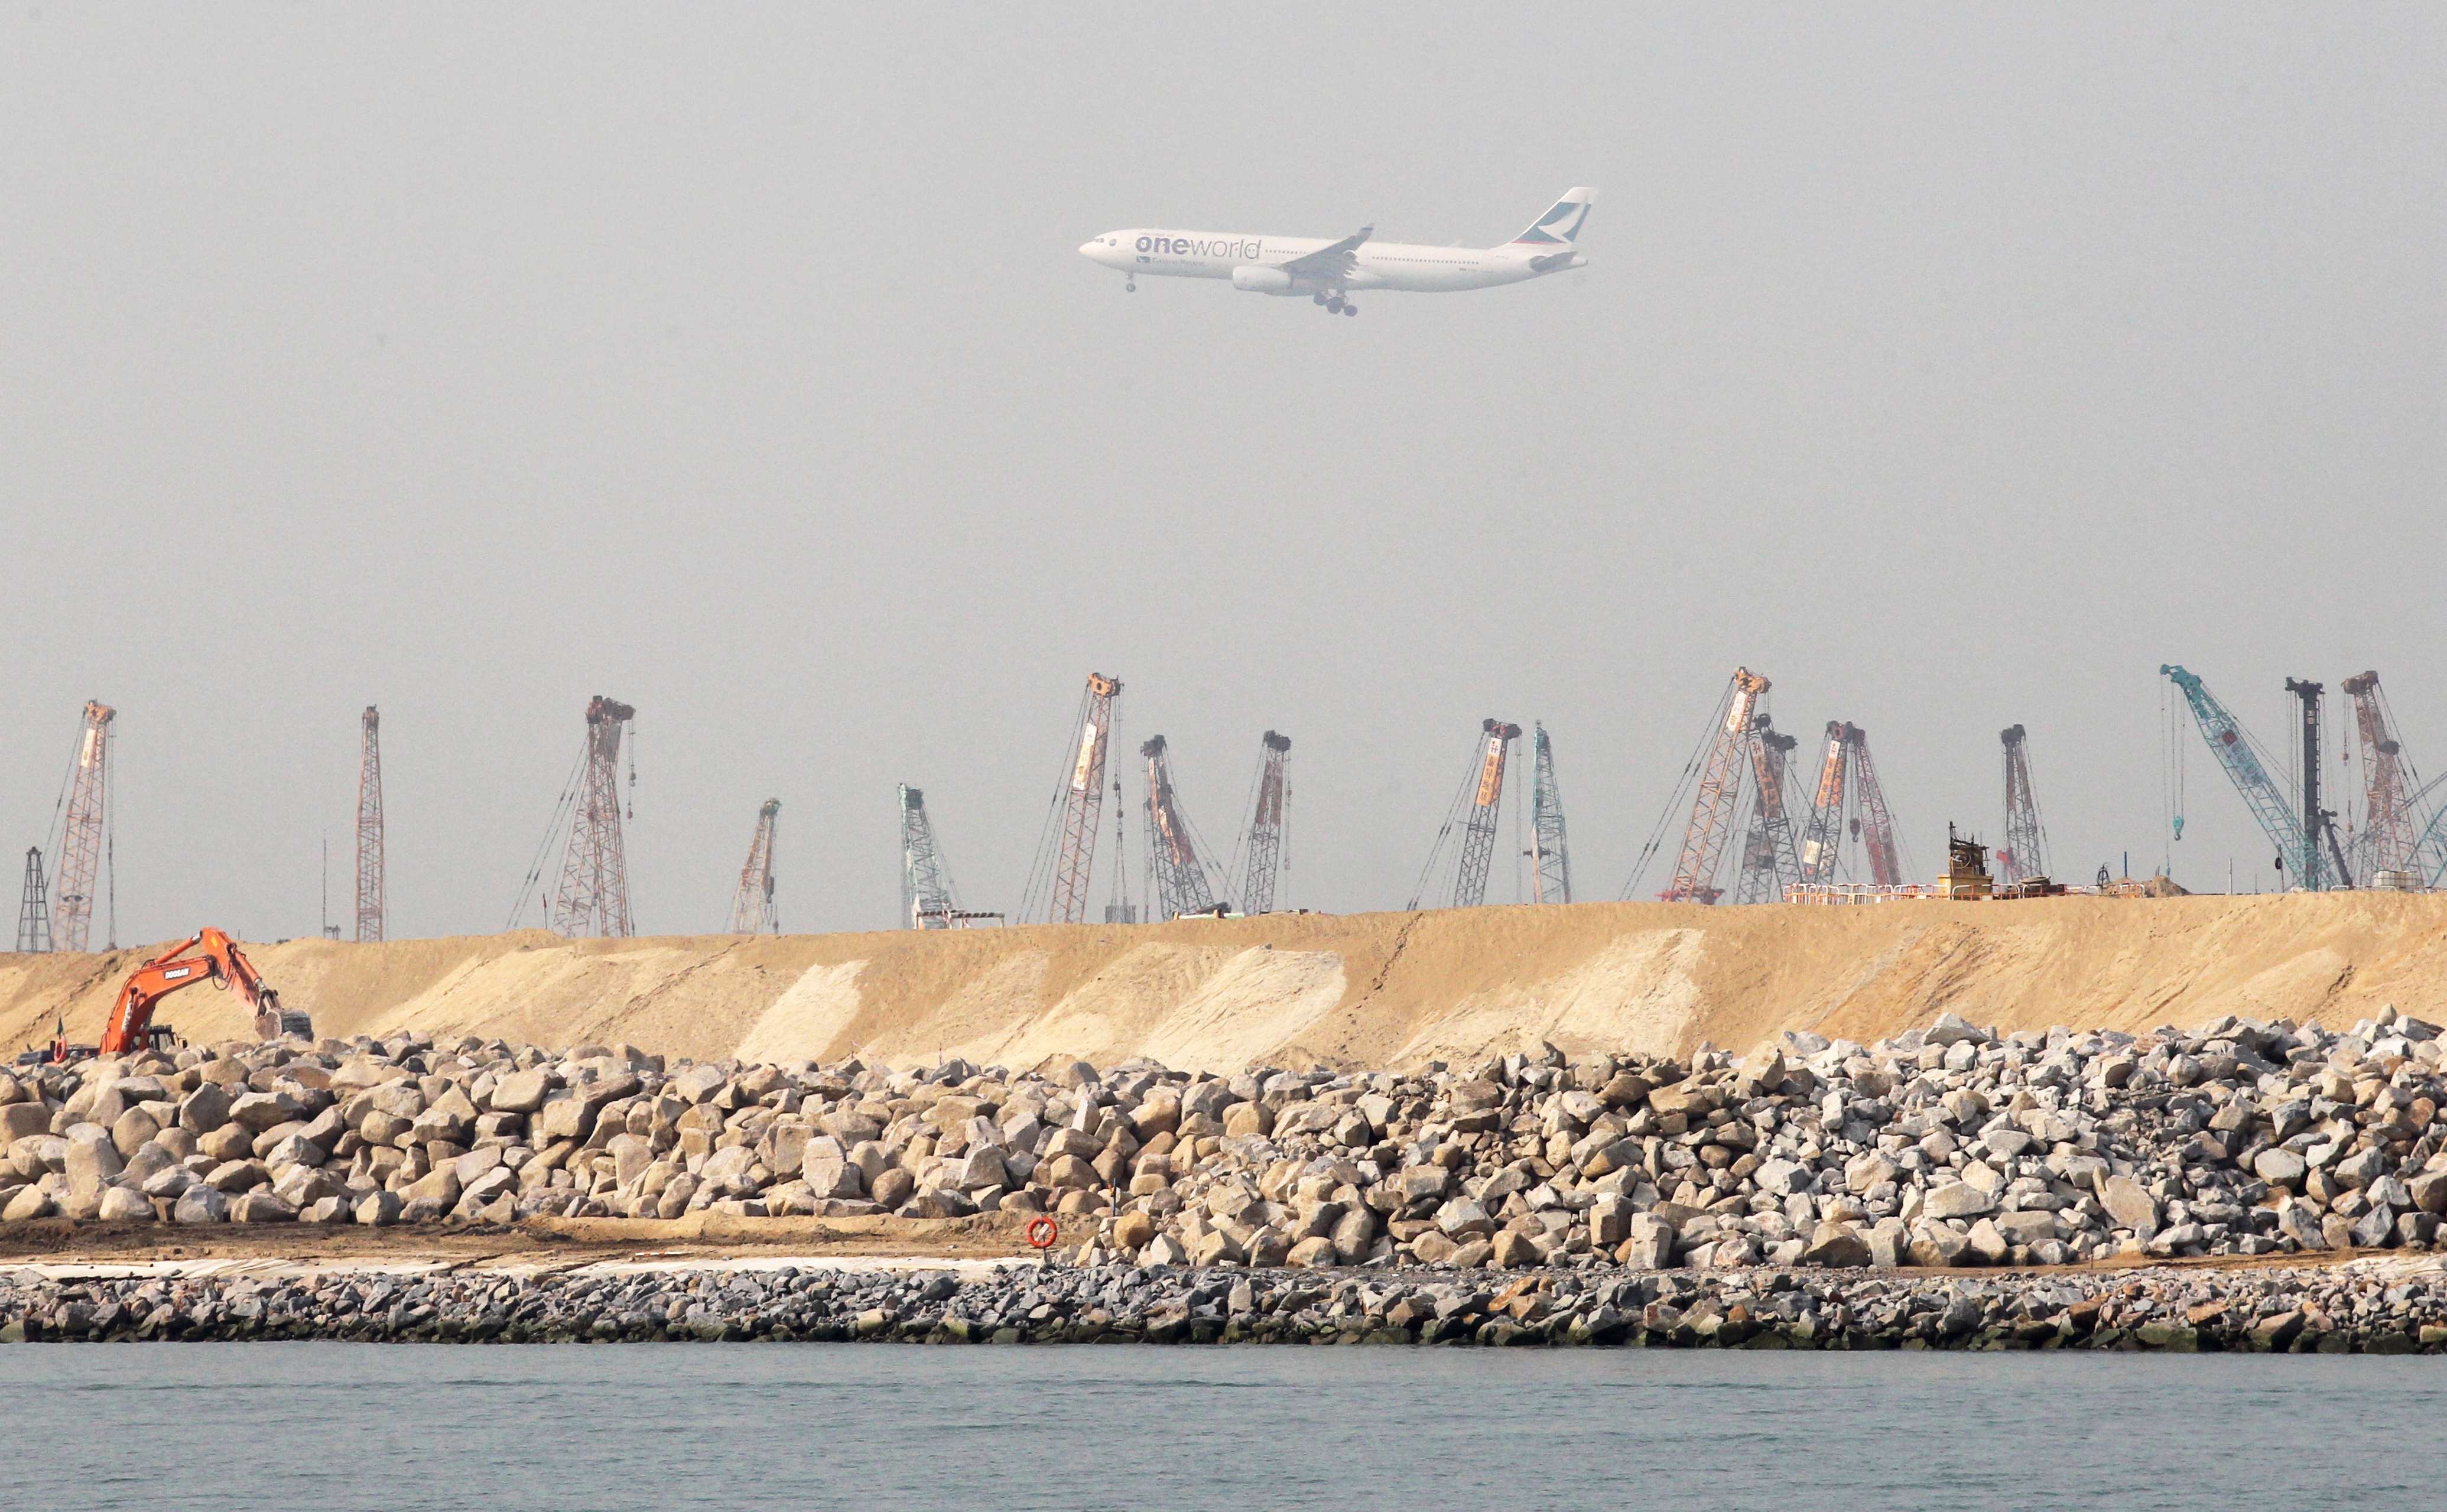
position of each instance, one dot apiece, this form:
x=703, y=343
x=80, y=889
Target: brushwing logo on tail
x=1558, y=225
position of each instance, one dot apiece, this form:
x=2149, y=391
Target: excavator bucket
x=284, y=1023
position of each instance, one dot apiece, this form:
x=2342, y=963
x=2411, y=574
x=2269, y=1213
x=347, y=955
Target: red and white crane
x=1727, y=755
x=1067, y=855
x=81, y=835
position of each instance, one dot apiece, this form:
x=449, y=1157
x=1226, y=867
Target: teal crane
x=2297, y=848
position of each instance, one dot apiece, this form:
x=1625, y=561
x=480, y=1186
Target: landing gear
x=1337, y=304
x=1350, y=309
x=1130, y=285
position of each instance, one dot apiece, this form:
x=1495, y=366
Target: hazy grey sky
x=1953, y=367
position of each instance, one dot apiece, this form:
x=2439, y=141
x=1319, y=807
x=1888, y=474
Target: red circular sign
x=1042, y=1233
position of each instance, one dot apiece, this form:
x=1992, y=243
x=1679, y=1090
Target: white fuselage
x=1396, y=266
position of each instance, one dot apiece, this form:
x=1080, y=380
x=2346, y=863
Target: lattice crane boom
x=593, y=897
x=2390, y=830
x=2430, y=850
x=2233, y=746
x=1851, y=802
x=1720, y=783
x=81, y=837
x=1478, y=824
x=1822, y=842
x=1180, y=871
x=1266, y=822
x=370, y=921
x=1081, y=802
x=751, y=905
x=1549, y=848
x=1770, y=855
x=927, y=901
x=1877, y=824
x=2025, y=855
x=1769, y=858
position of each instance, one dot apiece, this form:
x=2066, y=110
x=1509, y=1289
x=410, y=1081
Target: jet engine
x=1253, y=279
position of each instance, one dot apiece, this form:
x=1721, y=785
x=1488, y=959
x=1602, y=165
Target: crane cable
x=559, y=814
x=1236, y=880
x=1677, y=802
x=1453, y=812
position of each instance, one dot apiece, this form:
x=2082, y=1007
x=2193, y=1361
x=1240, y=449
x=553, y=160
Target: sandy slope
x=1373, y=989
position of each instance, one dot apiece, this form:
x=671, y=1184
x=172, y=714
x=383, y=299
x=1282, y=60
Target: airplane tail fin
x=1561, y=225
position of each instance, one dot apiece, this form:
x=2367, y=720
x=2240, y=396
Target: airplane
x=1328, y=272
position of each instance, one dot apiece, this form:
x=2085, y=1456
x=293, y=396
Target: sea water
x=409, y=1426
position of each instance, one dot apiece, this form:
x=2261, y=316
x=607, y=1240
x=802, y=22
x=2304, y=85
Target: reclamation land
x=2069, y=1122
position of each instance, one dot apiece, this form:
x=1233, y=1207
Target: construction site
x=1193, y=953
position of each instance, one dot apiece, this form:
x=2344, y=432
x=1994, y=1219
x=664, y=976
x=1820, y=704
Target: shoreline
x=2244, y=1186
x=2391, y=1305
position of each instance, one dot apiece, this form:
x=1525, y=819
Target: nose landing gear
x=1130, y=285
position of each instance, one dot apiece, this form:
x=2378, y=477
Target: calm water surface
x=406, y=1427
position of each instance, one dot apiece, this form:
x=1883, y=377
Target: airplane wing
x=1327, y=263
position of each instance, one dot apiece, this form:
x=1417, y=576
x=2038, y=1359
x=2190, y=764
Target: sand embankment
x=1369, y=990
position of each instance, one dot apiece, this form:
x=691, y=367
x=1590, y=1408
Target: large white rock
x=257, y=1111
x=521, y=1091
x=92, y=1161
x=119, y=1205
x=1780, y=1177
x=2130, y=1207
x=1652, y=1242
x=1463, y=1215
x=201, y=1204
x=1957, y=1200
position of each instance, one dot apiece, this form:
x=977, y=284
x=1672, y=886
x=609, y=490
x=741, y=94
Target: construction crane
x=2430, y=849
x=1067, y=854
x=926, y=899
x=1878, y=838
x=1474, y=811
x=1175, y=868
x=1770, y=860
x=1822, y=839
x=2297, y=852
x=1719, y=790
x=369, y=829
x=1849, y=803
x=81, y=835
x=593, y=897
x=1262, y=861
x=751, y=906
x=1479, y=827
x=1548, y=850
x=2317, y=823
x=34, y=912
x=2025, y=855
x=1119, y=909
x=2389, y=841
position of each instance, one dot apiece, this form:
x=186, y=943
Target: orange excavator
x=210, y=956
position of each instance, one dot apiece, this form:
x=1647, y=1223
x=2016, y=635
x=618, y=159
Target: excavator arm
x=208, y=955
